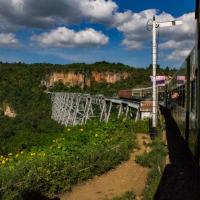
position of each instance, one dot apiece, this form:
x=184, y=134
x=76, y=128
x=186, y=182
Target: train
x=181, y=100
x=182, y=95
x=135, y=94
x=141, y=94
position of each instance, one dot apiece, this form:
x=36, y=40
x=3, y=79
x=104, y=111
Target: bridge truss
x=70, y=109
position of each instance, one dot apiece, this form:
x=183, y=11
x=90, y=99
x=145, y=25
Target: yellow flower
x=22, y=152
x=81, y=129
x=3, y=162
x=32, y=154
x=68, y=129
x=7, y=159
x=96, y=135
x=42, y=154
x=17, y=155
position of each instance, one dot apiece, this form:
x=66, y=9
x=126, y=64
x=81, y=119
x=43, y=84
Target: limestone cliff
x=81, y=79
x=109, y=77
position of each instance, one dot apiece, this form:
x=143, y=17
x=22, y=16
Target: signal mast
x=154, y=26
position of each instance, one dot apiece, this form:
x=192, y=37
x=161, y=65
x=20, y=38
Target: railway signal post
x=154, y=25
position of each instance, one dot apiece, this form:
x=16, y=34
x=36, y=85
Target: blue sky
x=67, y=31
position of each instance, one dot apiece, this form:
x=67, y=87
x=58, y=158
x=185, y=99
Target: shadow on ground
x=180, y=178
x=35, y=195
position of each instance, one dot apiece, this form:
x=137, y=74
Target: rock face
x=109, y=77
x=81, y=79
x=69, y=78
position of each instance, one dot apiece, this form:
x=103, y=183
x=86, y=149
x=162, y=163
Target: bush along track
x=155, y=160
x=126, y=196
x=75, y=155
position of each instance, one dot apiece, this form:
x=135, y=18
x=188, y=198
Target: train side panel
x=182, y=91
x=177, y=93
x=125, y=94
x=192, y=141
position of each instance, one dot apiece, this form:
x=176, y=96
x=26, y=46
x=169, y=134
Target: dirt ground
x=129, y=176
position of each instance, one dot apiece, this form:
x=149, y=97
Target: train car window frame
x=192, y=95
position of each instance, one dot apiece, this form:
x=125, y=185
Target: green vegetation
x=126, y=196
x=37, y=153
x=155, y=161
x=21, y=88
x=75, y=155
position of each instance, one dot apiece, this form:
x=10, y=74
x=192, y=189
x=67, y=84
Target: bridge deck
x=131, y=104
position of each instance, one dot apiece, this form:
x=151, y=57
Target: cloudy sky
x=67, y=31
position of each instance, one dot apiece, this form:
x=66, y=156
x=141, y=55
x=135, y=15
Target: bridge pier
x=138, y=115
x=120, y=111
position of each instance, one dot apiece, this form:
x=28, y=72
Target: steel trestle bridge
x=70, y=109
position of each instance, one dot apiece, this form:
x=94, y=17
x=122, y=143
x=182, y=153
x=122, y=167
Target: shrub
x=74, y=156
x=126, y=196
x=154, y=160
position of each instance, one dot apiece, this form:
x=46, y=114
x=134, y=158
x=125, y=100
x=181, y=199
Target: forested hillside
x=22, y=88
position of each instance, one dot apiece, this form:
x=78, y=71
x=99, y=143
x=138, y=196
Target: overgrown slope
x=21, y=88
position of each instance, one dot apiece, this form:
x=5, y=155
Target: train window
x=178, y=96
x=193, y=88
x=183, y=97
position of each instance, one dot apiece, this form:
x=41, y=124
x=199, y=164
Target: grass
x=155, y=161
x=74, y=156
x=126, y=196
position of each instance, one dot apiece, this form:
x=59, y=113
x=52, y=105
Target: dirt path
x=129, y=176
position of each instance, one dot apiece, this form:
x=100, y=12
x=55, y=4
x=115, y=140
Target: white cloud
x=66, y=38
x=186, y=31
x=133, y=26
x=8, y=39
x=47, y=13
x=178, y=55
x=179, y=40
x=44, y=14
x=172, y=44
x=131, y=44
x=120, y=18
x=98, y=10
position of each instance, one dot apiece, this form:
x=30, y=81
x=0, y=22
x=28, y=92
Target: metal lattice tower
x=71, y=109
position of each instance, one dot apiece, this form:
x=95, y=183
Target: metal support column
x=109, y=110
x=120, y=111
x=154, y=63
x=127, y=110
